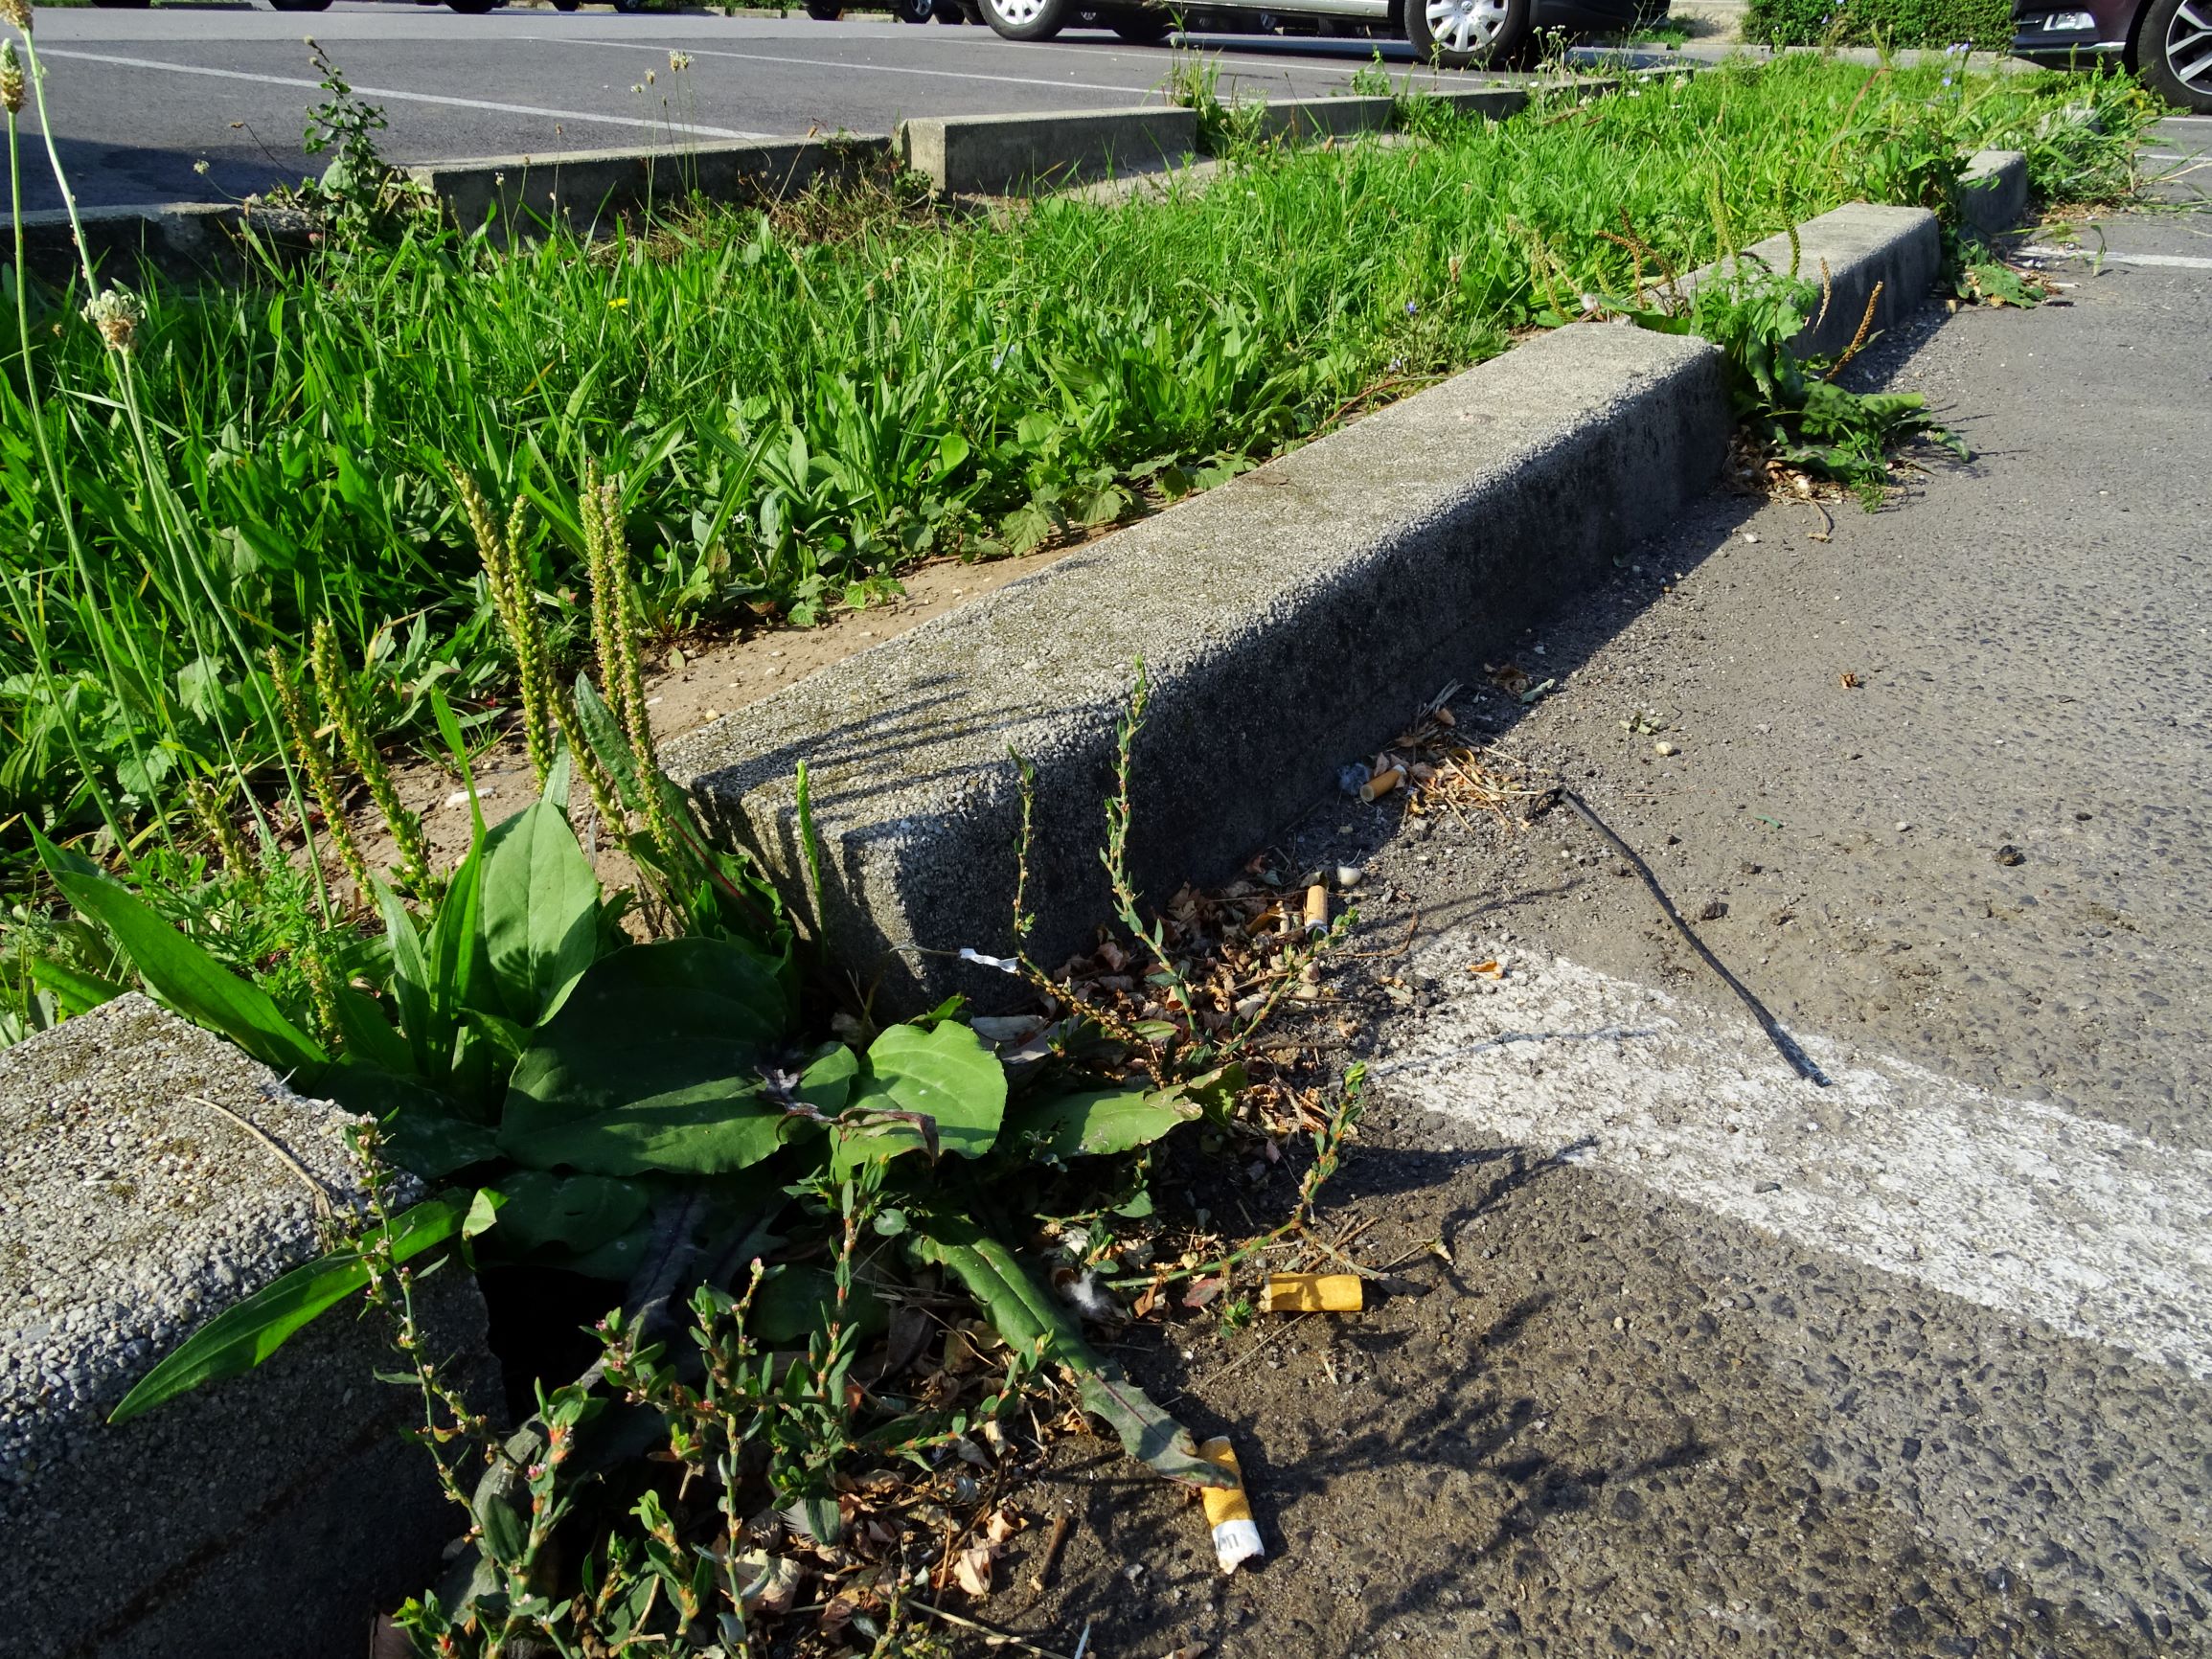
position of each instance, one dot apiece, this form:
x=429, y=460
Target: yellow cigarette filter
x=1235, y=1539
x=1314, y=1293
x=1317, y=908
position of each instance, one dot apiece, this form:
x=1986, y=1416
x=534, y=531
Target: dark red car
x=2167, y=42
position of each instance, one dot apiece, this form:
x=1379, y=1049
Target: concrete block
x=1303, y=120
x=271, y=1515
x=1290, y=621
x=1852, y=248
x=1993, y=193
x=179, y=238
x=588, y=190
x=1480, y=102
x=1004, y=154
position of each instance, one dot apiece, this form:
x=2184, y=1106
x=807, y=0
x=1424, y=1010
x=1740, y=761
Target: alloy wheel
x=1474, y=25
x=2189, y=45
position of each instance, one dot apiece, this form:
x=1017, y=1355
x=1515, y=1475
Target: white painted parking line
x=2178, y=261
x=2022, y=1208
x=842, y=63
x=386, y=93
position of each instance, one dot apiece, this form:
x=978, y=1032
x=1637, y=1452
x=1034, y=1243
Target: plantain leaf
x=1101, y=1121
x=242, y=1336
x=183, y=975
x=541, y=910
x=576, y=1212
x=75, y=991
x=655, y=1063
x=946, y=1075
x=1033, y=1325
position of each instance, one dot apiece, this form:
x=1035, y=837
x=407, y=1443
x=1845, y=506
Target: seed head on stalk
x=11, y=79
x=116, y=312
x=16, y=12
x=315, y=762
x=500, y=547
x=341, y=699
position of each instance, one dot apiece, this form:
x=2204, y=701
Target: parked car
x=1456, y=34
x=2167, y=42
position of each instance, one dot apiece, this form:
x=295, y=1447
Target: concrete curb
x=1993, y=192
x=1000, y=154
x=1852, y=249
x=1289, y=621
x=584, y=189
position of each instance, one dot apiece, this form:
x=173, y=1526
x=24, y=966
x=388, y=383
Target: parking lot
x=141, y=98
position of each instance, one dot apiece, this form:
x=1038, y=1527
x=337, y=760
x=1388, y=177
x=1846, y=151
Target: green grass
x=801, y=406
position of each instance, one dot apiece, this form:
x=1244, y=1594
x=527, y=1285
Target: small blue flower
x=1411, y=308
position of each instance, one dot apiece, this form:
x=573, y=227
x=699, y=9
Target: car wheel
x=911, y=11
x=138, y=5
x=1469, y=33
x=301, y=4
x=566, y=5
x=1026, y=20
x=1140, y=27
x=2176, y=48
x=823, y=11
x=947, y=11
x=467, y=8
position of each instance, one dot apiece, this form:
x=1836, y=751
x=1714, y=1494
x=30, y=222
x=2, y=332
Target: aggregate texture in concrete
x=270, y=1514
x=1283, y=619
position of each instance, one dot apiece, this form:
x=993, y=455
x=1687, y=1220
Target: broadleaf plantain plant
x=665, y=1114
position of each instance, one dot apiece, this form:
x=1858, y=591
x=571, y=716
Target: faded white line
x=2085, y=1226
x=2179, y=262
x=393, y=95
x=840, y=63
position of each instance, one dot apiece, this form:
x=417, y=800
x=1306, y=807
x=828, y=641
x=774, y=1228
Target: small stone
x=1347, y=876
x=2008, y=856
x=1664, y=749
x=1902, y=826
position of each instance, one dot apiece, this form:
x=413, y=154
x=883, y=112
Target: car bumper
x=2044, y=34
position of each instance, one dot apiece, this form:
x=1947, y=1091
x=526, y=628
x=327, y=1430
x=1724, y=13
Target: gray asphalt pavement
x=141, y=99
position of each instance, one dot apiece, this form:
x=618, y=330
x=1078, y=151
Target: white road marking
x=383, y=94
x=2181, y=261
x=840, y=63
x=2088, y=1227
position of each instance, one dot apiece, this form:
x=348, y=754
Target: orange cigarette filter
x=1317, y=906
x=1382, y=784
x=1315, y=1293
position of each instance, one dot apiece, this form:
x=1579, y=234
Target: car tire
x=947, y=11
x=823, y=11
x=467, y=8
x=295, y=5
x=1466, y=34
x=1141, y=26
x=911, y=11
x=1027, y=19
x=566, y=5
x=137, y=5
x=2174, y=48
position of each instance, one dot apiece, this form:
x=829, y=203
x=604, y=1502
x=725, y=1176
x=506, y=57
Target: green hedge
x=1988, y=24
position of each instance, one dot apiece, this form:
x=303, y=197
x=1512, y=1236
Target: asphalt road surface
x=1918, y=1362
x=141, y=98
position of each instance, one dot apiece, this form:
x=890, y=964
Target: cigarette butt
x=1317, y=907
x=1235, y=1539
x=1381, y=785
x=1315, y=1293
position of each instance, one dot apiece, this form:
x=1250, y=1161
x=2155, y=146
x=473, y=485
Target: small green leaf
x=181, y=974
x=1101, y=1121
x=946, y=1074
x=75, y=992
x=826, y=1082
x=242, y=1336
